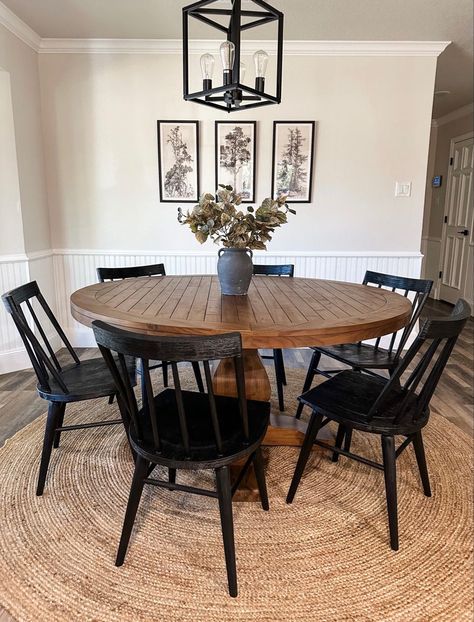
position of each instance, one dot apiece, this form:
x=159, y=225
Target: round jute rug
x=324, y=558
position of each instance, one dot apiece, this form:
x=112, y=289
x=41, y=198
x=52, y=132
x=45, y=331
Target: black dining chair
x=59, y=384
x=183, y=430
x=387, y=407
x=277, y=356
x=367, y=357
x=131, y=272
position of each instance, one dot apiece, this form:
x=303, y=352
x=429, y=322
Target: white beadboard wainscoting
x=13, y=272
x=68, y=270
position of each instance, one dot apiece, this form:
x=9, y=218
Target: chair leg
x=390, y=473
x=313, y=366
x=260, y=476
x=164, y=369
x=198, y=376
x=225, y=506
x=341, y=431
x=111, y=399
x=54, y=415
x=140, y=473
x=57, y=435
x=279, y=353
x=348, y=439
x=310, y=437
x=421, y=460
x=278, y=362
x=172, y=476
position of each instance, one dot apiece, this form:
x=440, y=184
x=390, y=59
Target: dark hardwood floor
x=19, y=404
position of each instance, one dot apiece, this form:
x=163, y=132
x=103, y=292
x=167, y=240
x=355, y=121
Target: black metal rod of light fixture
x=197, y=5
x=229, y=12
x=258, y=22
x=185, y=55
x=234, y=37
x=260, y=84
x=209, y=22
x=267, y=7
x=279, y=57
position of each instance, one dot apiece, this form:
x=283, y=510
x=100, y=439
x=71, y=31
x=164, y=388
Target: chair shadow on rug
x=182, y=429
x=387, y=407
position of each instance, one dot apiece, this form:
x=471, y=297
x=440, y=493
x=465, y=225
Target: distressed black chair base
x=387, y=407
x=58, y=384
x=361, y=356
x=132, y=272
x=183, y=430
x=277, y=356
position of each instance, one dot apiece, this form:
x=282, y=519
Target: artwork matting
x=178, y=161
x=235, y=156
x=292, y=161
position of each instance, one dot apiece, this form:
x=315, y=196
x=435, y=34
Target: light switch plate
x=403, y=188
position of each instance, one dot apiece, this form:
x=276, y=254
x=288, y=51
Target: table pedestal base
x=283, y=430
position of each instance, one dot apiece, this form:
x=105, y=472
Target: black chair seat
x=330, y=399
x=89, y=380
x=361, y=355
x=203, y=447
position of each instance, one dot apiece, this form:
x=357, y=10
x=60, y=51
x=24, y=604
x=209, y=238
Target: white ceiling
x=371, y=20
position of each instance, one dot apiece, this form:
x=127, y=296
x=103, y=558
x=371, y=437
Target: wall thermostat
x=437, y=179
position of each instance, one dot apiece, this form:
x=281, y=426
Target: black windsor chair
x=181, y=429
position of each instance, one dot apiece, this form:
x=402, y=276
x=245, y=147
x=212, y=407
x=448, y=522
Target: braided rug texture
x=325, y=557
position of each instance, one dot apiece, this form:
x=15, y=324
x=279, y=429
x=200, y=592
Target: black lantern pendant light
x=232, y=94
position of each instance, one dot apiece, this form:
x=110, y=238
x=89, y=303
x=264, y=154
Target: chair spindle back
x=421, y=289
x=42, y=356
x=441, y=334
x=201, y=349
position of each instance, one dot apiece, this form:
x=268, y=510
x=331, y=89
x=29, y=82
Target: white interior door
x=457, y=240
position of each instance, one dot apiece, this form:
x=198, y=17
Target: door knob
x=464, y=232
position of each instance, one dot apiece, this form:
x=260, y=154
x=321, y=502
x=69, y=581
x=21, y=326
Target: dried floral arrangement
x=226, y=224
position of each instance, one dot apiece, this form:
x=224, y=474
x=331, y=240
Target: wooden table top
x=278, y=312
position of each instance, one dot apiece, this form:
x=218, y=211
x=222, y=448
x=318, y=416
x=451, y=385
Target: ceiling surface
x=369, y=20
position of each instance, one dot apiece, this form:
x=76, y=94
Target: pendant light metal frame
x=218, y=96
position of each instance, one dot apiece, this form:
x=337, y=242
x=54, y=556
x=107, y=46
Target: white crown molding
x=17, y=26
x=199, y=46
x=464, y=111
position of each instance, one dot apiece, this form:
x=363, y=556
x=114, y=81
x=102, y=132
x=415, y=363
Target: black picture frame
x=218, y=177
x=308, y=169
x=165, y=196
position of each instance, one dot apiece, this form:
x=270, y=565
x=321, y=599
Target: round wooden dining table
x=278, y=312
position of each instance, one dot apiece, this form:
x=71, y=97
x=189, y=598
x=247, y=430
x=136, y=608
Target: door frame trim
x=453, y=141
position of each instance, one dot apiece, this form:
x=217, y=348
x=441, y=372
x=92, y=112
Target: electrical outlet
x=403, y=188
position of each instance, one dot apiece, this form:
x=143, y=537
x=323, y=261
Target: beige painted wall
x=11, y=230
x=100, y=112
x=21, y=62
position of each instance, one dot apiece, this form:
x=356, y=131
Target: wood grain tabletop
x=277, y=313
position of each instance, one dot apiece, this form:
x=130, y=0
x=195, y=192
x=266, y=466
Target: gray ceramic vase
x=235, y=268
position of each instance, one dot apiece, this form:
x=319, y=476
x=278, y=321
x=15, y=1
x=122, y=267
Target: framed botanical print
x=292, y=167
x=178, y=161
x=235, y=145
